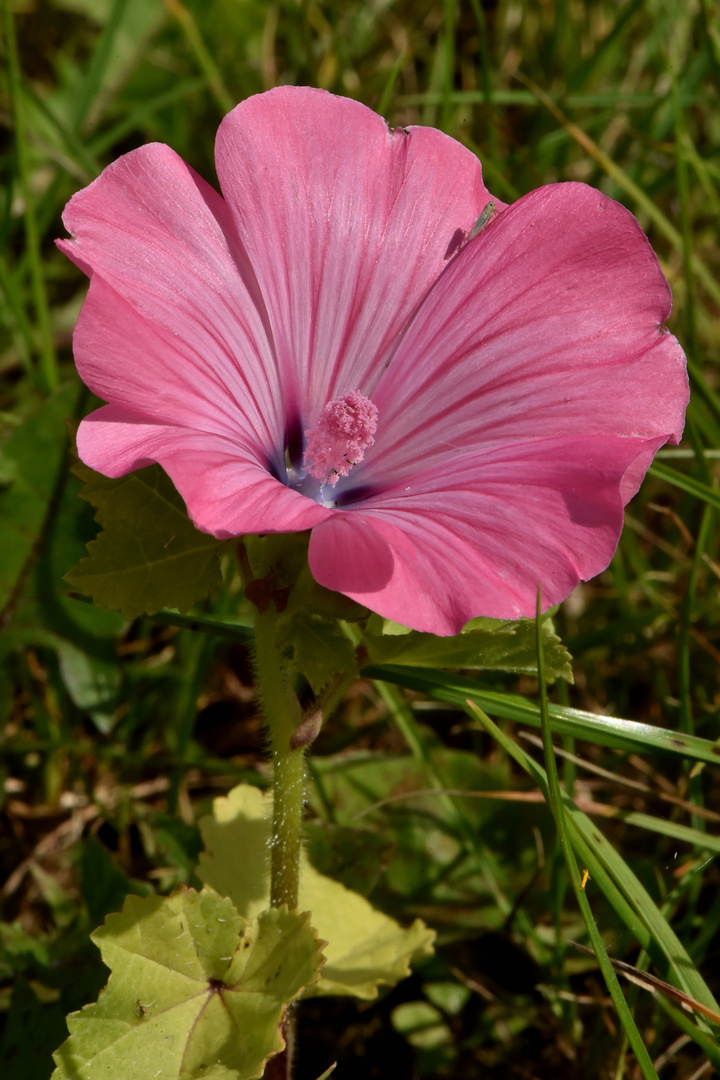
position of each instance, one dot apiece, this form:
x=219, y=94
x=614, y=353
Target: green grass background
x=114, y=738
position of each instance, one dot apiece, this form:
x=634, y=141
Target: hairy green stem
x=282, y=716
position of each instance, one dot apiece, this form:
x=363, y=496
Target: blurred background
x=115, y=737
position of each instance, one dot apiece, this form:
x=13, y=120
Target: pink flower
x=324, y=348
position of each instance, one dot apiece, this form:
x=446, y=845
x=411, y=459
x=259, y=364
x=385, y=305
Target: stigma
x=338, y=441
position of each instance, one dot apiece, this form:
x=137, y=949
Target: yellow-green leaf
x=195, y=991
x=365, y=948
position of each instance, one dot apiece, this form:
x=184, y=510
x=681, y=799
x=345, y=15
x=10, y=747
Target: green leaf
x=484, y=644
x=321, y=650
x=308, y=595
x=434, y=812
x=82, y=635
x=195, y=991
x=356, y=857
x=32, y=460
x=43, y=603
x=377, y=625
x=92, y=683
x=365, y=948
x=8, y=470
x=149, y=554
x=30, y=1031
x=104, y=885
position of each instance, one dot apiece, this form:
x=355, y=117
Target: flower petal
x=227, y=493
x=161, y=238
x=346, y=224
x=547, y=323
x=478, y=538
x=132, y=362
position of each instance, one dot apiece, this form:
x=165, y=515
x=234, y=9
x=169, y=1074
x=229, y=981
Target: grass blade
x=90, y=86
x=555, y=799
x=629, y=186
x=609, y=871
x=202, y=54
x=48, y=371
x=626, y=735
x=686, y=483
x=387, y=92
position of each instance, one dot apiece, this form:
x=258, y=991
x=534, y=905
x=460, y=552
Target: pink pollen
x=341, y=436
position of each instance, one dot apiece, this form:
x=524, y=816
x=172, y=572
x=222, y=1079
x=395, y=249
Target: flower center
x=340, y=438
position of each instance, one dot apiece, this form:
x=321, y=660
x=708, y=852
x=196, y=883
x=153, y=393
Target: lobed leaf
x=484, y=644
x=320, y=648
x=365, y=948
x=195, y=991
x=149, y=554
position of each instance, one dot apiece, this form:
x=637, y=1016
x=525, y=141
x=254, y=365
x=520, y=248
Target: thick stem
x=282, y=715
x=288, y=800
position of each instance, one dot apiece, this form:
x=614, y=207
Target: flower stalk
x=282, y=716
